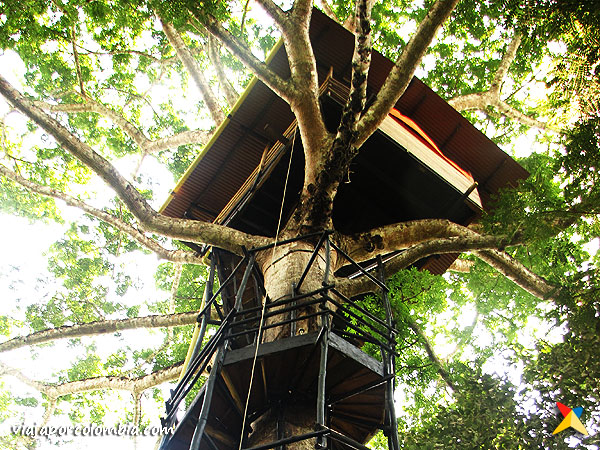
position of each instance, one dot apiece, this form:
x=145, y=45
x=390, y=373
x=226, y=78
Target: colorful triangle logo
x=571, y=419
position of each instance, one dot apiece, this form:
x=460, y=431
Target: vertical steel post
x=322, y=380
x=208, y=288
x=208, y=391
x=280, y=425
x=389, y=365
x=327, y=261
x=240, y=292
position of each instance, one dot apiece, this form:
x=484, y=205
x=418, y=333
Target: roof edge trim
x=219, y=130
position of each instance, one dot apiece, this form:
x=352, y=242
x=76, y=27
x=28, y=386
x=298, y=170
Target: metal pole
x=310, y=263
x=322, y=380
x=388, y=364
x=210, y=386
x=240, y=292
x=206, y=317
x=327, y=262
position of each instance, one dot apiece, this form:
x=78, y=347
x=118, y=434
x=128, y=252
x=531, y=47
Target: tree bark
x=404, y=68
x=183, y=229
x=403, y=235
x=55, y=391
x=179, y=256
x=491, y=98
x=461, y=266
x=91, y=105
x=283, y=88
x=189, y=62
x=327, y=10
x=520, y=275
x=322, y=182
x=215, y=58
x=99, y=327
x=145, y=145
x=282, y=268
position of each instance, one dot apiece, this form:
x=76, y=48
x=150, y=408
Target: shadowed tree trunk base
x=292, y=418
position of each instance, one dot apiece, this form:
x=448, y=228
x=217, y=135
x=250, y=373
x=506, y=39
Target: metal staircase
x=343, y=367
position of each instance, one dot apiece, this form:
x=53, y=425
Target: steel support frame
x=219, y=343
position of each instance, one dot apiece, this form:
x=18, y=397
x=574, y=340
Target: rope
x=264, y=303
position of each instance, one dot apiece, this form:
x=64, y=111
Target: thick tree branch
x=519, y=274
x=305, y=99
x=215, y=58
x=281, y=87
x=418, y=251
x=159, y=377
x=326, y=169
x=491, y=98
x=327, y=10
x=99, y=327
x=364, y=246
x=434, y=242
x=77, y=64
x=54, y=391
x=146, y=145
x=274, y=11
x=188, y=137
x=438, y=364
x=10, y=371
x=361, y=61
x=477, y=100
x=149, y=219
x=50, y=408
x=191, y=65
x=137, y=410
x=461, y=266
x=505, y=62
x=404, y=68
x=303, y=9
x=156, y=59
x=91, y=105
x=180, y=256
x=301, y=91
x=514, y=114
x=481, y=101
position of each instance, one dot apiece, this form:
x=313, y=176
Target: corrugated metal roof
x=236, y=149
x=231, y=157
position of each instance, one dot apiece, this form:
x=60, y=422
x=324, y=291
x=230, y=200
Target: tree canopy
x=108, y=102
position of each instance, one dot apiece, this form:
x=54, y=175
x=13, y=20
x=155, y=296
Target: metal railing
x=335, y=312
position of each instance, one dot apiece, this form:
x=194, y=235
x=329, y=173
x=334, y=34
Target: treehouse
x=424, y=161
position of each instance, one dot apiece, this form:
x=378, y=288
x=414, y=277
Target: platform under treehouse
x=266, y=359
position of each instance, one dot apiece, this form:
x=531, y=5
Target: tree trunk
x=282, y=268
x=287, y=420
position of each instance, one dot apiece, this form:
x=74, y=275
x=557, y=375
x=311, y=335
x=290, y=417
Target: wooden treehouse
x=425, y=161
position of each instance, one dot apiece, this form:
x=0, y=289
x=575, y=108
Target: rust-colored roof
x=260, y=116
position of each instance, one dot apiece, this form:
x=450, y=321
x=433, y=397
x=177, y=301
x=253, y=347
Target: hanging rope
x=264, y=302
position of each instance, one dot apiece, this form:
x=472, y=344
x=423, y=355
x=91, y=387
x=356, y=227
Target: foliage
x=484, y=415
x=113, y=56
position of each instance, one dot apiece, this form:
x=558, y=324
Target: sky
x=24, y=251
x=24, y=279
